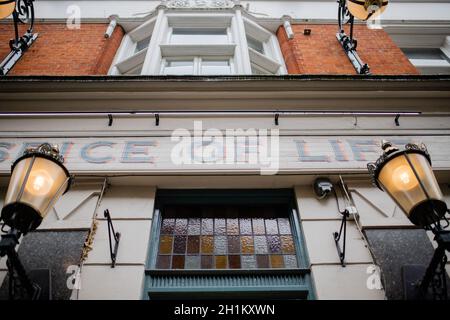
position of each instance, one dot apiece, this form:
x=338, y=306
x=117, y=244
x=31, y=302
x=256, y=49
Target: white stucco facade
x=117, y=139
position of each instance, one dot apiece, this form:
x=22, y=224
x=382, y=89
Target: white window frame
x=197, y=66
x=272, y=61
x=126, y=59
x=170, y=33
x=432, y=66
x=164, y=20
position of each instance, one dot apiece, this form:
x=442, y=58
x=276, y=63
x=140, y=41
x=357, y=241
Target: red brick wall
x=321, y=53
x=61, y=51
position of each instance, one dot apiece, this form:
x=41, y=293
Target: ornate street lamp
x=22, y=12
x=363, y=10
x=38, y=179
x=407, y=176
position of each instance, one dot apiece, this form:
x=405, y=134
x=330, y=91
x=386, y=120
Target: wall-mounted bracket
x=337, y=237
x=397, y=123
x=429, y=283
x=22, y=14
x=347, y=42
x=110, y=120
x=20, y=284
x=112, y=235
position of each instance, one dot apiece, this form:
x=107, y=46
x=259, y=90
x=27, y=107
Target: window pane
x=235, y=262
x=290, y=261
x=274, y=244
x=284, y=225
x=175, y=67
x=181, y=226
x=168, y=226
x=276, y=261
x=226, y=237
x=271, y=226
x=220, y=245
x=261, y=244
x=192, y=262
x=207, y=262
x=207, y=244
x=165, y=244
x=142, y=44
x=178, y=262
x=194, y=226
x=220, y=226
x=424, y=53
x=199, y=36
x=246, y=226
x=233, y=244
x=221, y=262
x=163, y=262
x=262, y=261
x=247, y=244
x=287, y=244
x=248, y=262
x=193, y=244
x=255, y=44
x=207, y=226
x=216, y=67
x=179, y=245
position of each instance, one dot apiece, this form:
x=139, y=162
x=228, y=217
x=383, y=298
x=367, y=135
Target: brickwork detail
x=65, y=52
x=321, y=53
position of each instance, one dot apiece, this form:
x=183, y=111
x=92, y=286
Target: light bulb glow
x=39, y=182
x=403, y=178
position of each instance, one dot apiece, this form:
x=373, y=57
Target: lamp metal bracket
x=22, y=14
x=112, y=235
x=18, y=278
x=396, y=120
x=348, y=43
x=342, y=233
x=429, y=283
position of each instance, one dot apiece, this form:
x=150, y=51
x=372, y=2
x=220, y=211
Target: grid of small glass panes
x=226, y=237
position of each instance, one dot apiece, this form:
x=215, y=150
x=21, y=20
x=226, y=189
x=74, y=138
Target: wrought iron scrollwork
x=23, y=13
x=46, y=149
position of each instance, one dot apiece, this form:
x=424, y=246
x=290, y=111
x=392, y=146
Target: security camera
x=322, y=187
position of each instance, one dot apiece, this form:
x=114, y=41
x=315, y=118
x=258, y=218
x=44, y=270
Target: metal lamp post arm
x=434, y=277
x=347, y=42
x=23, y=14
x=8, y=245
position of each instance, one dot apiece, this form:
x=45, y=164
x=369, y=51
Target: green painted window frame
x=182, y=280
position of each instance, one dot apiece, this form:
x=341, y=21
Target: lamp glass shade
x=367, y=9
x=398, y=178
x=36, y=184
x=7, y=9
